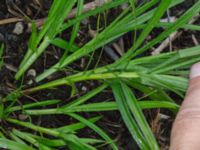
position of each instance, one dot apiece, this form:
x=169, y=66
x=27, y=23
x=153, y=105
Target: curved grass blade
x=95, y=128
x=85, y=97
x=96, y=107
x=88, y=75
x=63, y=44
x=128, y=106
x=76, y=126
x=32, y=105
x=26, y=137
x=12, y=145
x=74, y=143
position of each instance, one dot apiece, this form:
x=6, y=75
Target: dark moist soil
x=16, y=45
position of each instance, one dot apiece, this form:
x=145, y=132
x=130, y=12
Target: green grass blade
x=85, y=97
x=171, y=83
x=26, y=137
x=32, y=105
x=124, y=95
x=76, y=126
x=96, y=129
x=34, y=127
x=96, y=107
x=109, y=106
x=127, y=117
x=15, y=138
x=77, y=25
x=83, y=76
x=153, y=93
x=12, y=145
x=63, y=44
x=74, y=143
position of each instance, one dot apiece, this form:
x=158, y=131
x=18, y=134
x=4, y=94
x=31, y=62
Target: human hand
x=186, y=129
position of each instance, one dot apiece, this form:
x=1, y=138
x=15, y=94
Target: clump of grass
x=155, y=76
x=52, y=27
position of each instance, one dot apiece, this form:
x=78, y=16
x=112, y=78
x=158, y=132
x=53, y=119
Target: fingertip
x=188, y=118
x=195, y=71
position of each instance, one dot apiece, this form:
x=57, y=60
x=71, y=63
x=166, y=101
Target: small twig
x=194, y=39
x=169, y=20
x=39, y=22
x=108, y=49
x=166, y=42
x=173, y=36
x=87, y=7
x=10, y=67
x=111, y=53
x=121, y=44
x=118, y=49
x=10, y=20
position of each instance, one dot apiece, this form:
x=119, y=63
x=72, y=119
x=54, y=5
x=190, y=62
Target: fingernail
x=195, y=71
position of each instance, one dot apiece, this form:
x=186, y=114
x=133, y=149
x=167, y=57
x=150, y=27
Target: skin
x=186, y=128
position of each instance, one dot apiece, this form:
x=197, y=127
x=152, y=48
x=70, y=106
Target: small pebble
x=22, y=117
x=84, y=88
x=85, y=21
x=31, y=73
x=19, y=28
